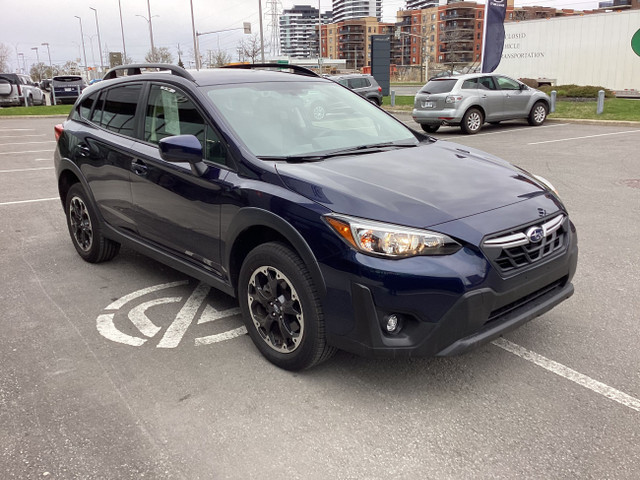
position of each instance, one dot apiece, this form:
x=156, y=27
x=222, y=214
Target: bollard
x=552, y=107
x=600, y=102
x=393, y=98
x=26, y=100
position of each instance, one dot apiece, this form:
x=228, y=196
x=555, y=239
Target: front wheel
x=430, y=128
x=538, y=114
x=472, y=121
x=84, y=228
x=281, y=308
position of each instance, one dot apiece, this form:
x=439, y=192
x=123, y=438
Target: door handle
x=83, y=150
x=139, y=168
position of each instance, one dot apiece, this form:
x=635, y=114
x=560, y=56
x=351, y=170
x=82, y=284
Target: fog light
x=393, y=323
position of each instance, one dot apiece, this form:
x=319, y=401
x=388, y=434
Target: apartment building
x=354, y=9
x=298, y=31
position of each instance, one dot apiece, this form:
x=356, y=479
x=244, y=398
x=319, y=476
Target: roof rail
x=136, y=69
x=296, y=69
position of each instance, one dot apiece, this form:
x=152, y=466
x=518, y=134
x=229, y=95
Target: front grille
x=514, y=250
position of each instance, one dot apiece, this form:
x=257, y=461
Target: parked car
x=16, y=87
x=365, y=85
x=67, y=88
x=473, y=99
x=349, y=231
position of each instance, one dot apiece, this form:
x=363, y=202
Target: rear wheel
x=472, y=121
x=84, y=228
x=29, y=101
x=430, y=128
x=538, y=114
x=281, y=308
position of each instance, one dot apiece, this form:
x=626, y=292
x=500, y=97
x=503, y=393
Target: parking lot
x=130, y=369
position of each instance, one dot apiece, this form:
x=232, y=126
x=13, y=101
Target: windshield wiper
x=359, y=150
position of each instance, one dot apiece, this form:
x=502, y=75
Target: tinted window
x=84, y=109
x=120, y=109
x=507, y=84
x=439, y=86
x=470, y=84
x=486, y=83
x=170, y=112
x=96, y=116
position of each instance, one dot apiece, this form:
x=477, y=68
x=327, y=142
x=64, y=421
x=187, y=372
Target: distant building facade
x=298, y=29
x=354, y=9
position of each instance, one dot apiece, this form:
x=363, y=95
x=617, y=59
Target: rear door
x=175, y=208
x=104, y=151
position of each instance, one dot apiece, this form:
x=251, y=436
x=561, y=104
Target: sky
x=54, y=22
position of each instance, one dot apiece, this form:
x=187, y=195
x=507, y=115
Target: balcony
x=615, y=4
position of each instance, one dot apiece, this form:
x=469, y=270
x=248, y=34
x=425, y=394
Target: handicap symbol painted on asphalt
x=172, y=336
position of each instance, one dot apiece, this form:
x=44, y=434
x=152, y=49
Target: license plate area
x=428, y=104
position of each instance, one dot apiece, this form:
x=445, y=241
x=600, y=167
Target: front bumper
x=449, y=314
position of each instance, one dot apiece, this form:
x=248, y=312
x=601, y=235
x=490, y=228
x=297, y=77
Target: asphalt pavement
x=129, y=369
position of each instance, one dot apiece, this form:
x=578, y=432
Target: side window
x=96, y=116
x=486, y=83
x=470, y=84
x=170, y=112
x=84, y=109
x=507, y=84
x=120, y=109
x=344, y=82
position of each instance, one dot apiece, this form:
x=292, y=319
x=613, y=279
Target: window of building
x=413, y=59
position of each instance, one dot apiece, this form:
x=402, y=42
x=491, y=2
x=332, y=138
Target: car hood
x=419, y=186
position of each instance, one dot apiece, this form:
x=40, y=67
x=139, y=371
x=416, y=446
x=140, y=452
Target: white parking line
x=569, y=374
x=26, y=151
x=30, y=201
x=27, y=143
x=17, y=129
x=511, y=130
x=25, y=169
x=587, y=136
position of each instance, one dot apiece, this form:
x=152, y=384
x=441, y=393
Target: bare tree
x=70, y=68
x=249, y=49
x=5, y=51
x=217, y=58
x=39, y=71
x=459, y=48
x=159, y=55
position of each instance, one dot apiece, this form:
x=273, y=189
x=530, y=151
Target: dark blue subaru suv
x=346, y=230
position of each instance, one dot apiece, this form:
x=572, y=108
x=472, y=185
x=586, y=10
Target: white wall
x=584, y=50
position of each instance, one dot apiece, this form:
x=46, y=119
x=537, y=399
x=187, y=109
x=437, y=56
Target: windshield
x=287, y=119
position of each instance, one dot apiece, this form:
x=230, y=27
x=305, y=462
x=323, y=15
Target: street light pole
x=38, y=57
x=124, y=49
x=84, y=53
x=261, y=32
x=153, y=50
x=99, y=41
x=195, y=38
x=53, y=95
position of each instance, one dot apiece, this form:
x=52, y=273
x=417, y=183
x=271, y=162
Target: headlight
x=390, y=241
x=546, y=183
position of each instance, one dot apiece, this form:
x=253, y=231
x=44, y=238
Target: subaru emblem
x=535, y=234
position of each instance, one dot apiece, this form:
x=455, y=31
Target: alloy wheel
x=276, y=310
x=80, y=222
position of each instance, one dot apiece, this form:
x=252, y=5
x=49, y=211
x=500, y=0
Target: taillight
x=19, y=89
x=453, y=99
x=58, y=129
x=379, y=89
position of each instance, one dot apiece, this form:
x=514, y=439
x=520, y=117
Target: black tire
x=538, y=114
x=281, y=308
x=375, y=100
x=430, y=128
x=472, y=121
x=84, y=228
x=29, y=101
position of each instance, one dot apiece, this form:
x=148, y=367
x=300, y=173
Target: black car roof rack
x=136, y=69
x=296, y=69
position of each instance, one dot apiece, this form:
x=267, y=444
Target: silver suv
x=473, y=99
x=362, y=84
x=15, y=88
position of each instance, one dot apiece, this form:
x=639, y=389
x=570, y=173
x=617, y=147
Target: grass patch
x=620, y=109
x=403, y=102
x=40, y=110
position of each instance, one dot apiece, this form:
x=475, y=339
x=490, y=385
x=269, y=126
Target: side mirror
x=523, y=86
x=183, y=148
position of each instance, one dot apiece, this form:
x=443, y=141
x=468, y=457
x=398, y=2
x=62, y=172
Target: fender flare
x=251, y=217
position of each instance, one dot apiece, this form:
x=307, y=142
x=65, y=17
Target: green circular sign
x=635, y=42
